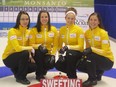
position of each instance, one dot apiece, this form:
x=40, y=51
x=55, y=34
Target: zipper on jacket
x=67, y=35
x=92, y=38
x=23, y=37
x=45, y=36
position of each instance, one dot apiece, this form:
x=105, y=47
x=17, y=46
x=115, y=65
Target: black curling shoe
x=23, y=81
x=89, y=83
x=99, y=77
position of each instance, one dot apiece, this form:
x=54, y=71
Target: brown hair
x=71, y=9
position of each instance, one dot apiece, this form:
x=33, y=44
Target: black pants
x=69, y=65
x=42, y=63
x=94, y=64
x=19, y=64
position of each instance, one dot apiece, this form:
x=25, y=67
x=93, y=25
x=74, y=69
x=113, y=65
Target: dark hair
x=38, y=24
x=99, y=19
x=18, y=19
x=71, y=9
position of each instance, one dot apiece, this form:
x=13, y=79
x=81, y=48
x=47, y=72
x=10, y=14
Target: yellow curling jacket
x=45, y=37
x=98, y=40
x=17, y=41
x=72, y=36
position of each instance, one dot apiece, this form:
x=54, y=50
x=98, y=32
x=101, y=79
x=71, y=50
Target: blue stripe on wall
x=4, y=71
x=111, y=73
x=7, y=25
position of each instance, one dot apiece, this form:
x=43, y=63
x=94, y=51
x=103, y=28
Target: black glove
x=52, y=60
x=63, y=49
x=43, y=49
x=87, y=51
x=61, y=58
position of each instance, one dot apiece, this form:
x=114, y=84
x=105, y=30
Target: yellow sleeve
x=55, y=42
x=80, y=45
x=60, y=42
x=86, y=41
x=12, y=37
x=32, y=39
x=105, y=44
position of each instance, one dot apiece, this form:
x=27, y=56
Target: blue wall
x=107, y=10
x=109, y=2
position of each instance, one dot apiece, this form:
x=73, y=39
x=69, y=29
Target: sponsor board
x=3, y=33
x=75, y=3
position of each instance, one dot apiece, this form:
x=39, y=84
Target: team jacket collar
x=95, y=29
x=70, y=26
x=44, y=27
x=22, y=29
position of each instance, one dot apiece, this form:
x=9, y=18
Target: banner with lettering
x=10, y=8
x=58, y=83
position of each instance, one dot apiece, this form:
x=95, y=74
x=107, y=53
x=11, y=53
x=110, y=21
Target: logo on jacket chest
x=72, y=35
x=39, y=36
x=97, y=38
x=48, y=35
x=19, y=38
x=51, y=35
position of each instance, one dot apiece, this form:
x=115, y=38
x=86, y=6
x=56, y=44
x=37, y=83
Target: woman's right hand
x=31, y=57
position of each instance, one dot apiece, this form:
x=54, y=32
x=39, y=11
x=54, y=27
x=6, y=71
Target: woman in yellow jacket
x=98, y=52
x=71, y=41
x=16, y=53
x=44, y=38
